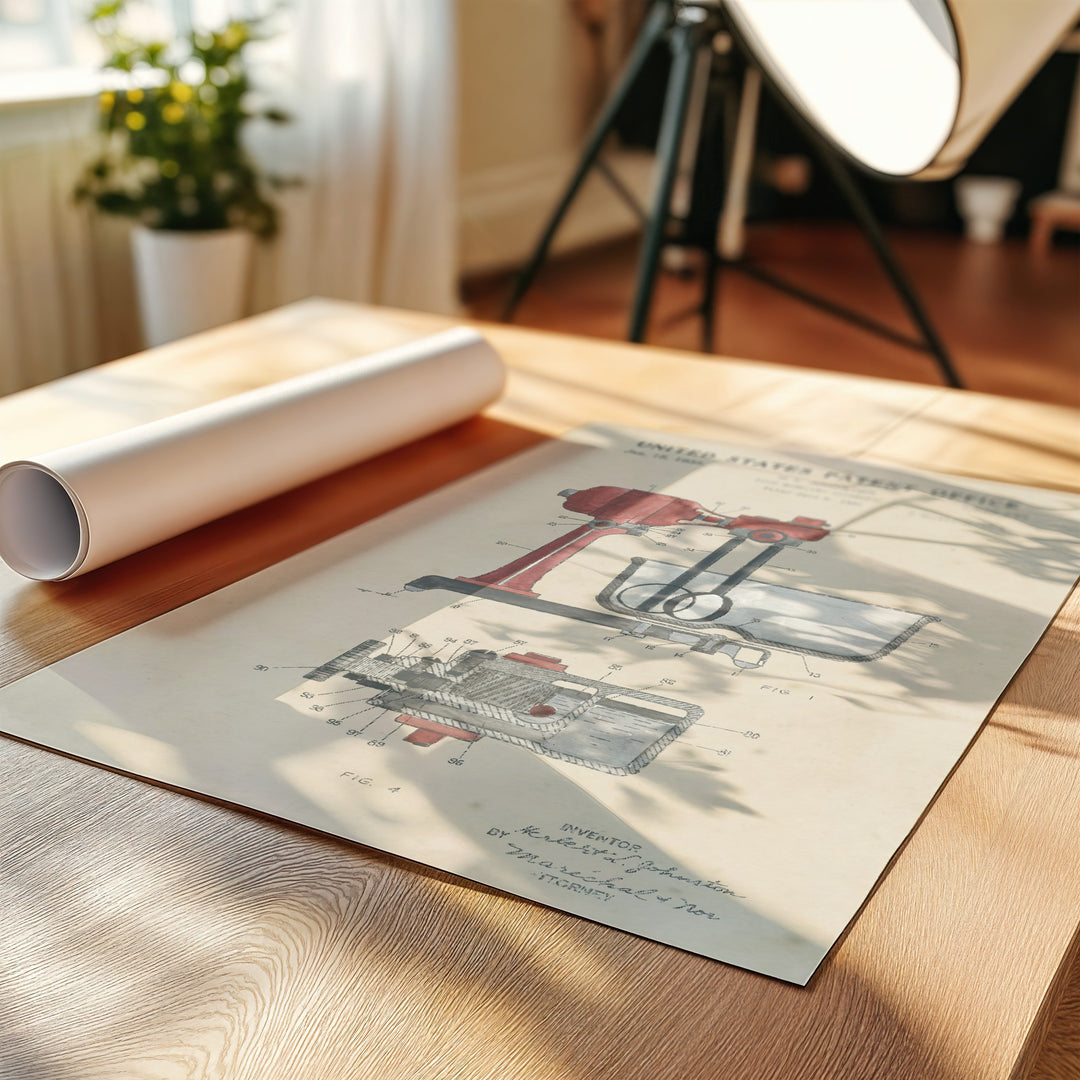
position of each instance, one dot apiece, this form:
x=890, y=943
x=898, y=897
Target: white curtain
x=49, y=311
x=373, y=144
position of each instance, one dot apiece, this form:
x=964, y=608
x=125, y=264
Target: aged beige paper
x=696, y=692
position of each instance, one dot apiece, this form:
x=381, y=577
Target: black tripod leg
x=717, y=197
x=653, y=30
x=882, y=249
x=709, y=287
x=685, y=40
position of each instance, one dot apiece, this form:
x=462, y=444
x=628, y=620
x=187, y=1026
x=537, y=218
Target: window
x=47, y=51
x=36, y=35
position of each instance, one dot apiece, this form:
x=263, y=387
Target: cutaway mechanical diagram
x=703, y=604
x=521, y=698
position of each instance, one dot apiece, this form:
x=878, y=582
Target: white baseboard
x=503, y=209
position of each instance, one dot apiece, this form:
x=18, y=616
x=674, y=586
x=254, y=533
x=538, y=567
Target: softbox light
x=906, y=88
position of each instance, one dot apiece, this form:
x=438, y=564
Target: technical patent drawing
x=525, y=699
x=697, y=605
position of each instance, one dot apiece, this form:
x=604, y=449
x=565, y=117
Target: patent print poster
x=695, y=692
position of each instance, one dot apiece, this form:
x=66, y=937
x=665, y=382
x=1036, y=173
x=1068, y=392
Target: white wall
x=526, y=95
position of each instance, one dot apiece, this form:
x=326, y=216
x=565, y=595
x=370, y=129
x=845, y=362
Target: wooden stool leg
x=1042, y=232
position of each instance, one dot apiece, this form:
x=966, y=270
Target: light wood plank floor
x=1010, y=320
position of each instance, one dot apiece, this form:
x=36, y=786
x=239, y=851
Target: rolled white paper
x=69, y=511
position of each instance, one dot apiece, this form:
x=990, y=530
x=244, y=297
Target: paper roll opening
x=41, y=533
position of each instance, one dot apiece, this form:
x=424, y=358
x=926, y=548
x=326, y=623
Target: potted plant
x=172, y=158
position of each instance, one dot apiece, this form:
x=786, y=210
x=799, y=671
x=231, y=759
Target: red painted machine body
x=627, y=506
x=616, y=510
x=771, y=531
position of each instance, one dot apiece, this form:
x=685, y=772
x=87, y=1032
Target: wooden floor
x=1010, y=320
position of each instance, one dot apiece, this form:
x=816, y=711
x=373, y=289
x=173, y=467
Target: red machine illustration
x=701, y=604
x=616, y=510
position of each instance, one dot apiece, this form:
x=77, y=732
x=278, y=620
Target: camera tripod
x=690, y=27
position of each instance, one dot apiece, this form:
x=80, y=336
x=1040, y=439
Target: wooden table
x=149, y=934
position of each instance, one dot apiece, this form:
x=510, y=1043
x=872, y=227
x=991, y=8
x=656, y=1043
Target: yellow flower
x=135, y=96
x=172, y=113
x=170, y=168
x=233, y=36
x=106, y=100
x=135, y=121
x=180, y=91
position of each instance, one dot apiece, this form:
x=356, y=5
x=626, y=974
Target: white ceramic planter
x=189, y=281
x=986, y=203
